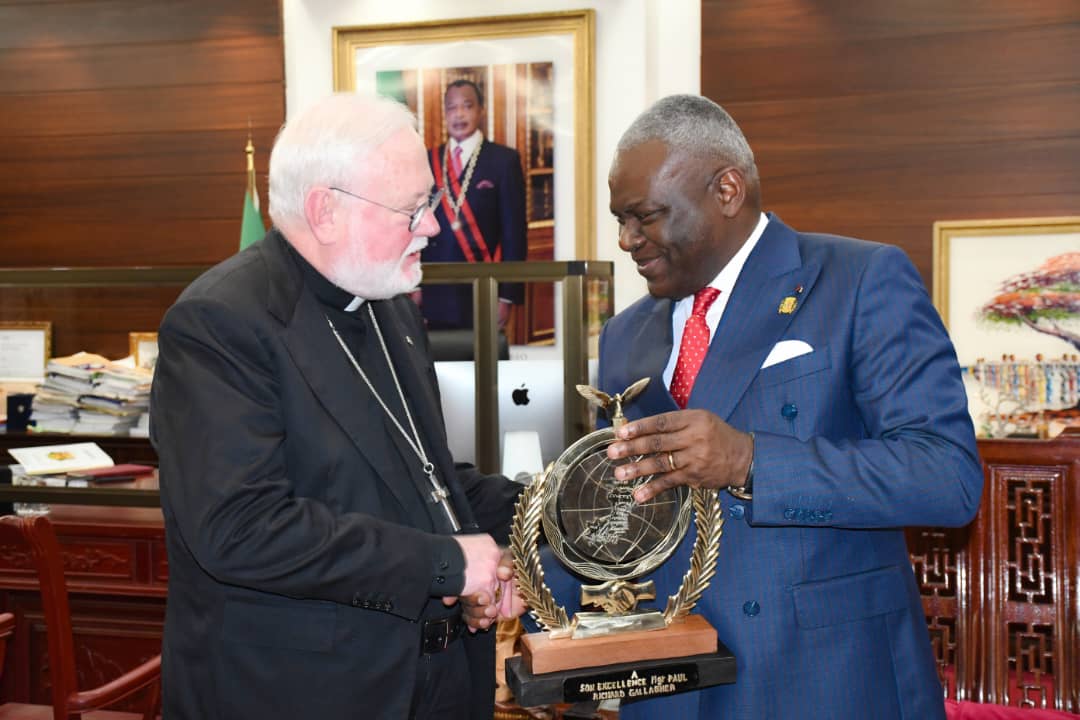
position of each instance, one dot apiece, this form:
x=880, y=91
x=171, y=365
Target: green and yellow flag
x=251, y=228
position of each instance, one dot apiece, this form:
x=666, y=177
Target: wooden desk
x=116, y=574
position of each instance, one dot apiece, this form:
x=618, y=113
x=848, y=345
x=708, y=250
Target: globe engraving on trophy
x=600, y=519
x=594, y=525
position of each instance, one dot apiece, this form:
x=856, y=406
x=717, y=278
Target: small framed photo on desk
x=24, y=350
x=143, y=349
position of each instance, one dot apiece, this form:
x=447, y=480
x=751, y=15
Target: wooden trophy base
x=691, y=635
x=629, y=666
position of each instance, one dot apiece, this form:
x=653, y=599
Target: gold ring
x=671, y=461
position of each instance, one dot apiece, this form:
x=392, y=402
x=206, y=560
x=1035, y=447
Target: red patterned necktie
x=695, y=343
x=455, y=162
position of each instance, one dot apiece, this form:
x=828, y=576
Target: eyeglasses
x=415, y=216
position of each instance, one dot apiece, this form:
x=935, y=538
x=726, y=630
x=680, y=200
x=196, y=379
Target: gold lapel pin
x=787, y=305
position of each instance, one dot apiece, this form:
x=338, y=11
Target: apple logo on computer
x=520, y=396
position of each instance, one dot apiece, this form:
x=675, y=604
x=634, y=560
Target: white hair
x=694, y=126
x=326, y=144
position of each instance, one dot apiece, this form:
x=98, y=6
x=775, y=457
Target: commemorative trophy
x=595, y=528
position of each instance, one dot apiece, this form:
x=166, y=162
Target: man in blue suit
x=482, y=213
x=821, y=390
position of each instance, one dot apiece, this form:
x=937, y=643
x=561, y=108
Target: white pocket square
x=785, y=350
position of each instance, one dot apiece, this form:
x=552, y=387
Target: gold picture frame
x=974, y=263
x=143, y=348
x=25, y=349
x=552, y=42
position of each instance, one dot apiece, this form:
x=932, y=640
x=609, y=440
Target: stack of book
x=56, y=402
x=88, y=394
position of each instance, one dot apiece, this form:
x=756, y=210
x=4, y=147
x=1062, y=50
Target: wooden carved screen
x=1000, y=596
x=940, y=560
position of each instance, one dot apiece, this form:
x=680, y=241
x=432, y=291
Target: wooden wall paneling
x=122, y=144
x=931, y=61
x=914, y=121
x=105, y=22
x=772, y=23
x=139, y=110
x=876, y=119
x=93, y=319
x=59, y=69
x=136, y=243
x=133, y=155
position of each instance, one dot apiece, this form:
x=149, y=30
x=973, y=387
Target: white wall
x=645, y=49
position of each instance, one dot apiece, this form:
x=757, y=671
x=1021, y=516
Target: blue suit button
x=751, y=608
x=789, y=411
x=736, y=511
x=789, y=514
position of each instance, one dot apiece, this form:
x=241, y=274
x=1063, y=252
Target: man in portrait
x=482, y=212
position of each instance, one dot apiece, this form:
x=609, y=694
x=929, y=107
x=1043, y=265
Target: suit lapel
x=652, y=358
x=327, y=370
x=410, y=365
x=752, y=321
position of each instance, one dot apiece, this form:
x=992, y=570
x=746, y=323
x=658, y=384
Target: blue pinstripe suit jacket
x=814, y=592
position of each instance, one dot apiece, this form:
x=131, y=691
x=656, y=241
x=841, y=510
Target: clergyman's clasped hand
x=687, y=447
x=490, y=593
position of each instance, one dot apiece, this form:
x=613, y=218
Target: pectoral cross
x=440, y=495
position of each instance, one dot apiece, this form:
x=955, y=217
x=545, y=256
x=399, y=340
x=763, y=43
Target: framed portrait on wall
x=535, y=75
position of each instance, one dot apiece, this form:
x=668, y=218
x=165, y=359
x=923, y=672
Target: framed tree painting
x=1009, y=293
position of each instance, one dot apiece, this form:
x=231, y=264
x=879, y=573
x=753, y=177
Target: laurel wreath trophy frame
x=595, y=528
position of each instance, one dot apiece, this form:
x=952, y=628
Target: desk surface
x=140, y=493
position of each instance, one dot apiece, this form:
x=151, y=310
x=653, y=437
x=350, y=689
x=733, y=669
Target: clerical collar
x=327, y=292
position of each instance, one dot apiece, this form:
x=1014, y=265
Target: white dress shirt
x=468, y=146
x=725, y=283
